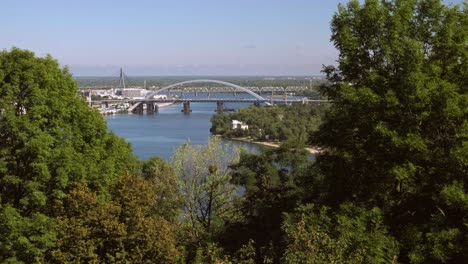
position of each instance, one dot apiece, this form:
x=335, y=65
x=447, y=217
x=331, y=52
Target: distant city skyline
x=163, y=38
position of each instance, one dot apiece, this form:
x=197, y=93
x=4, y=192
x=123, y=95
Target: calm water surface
x=162, y=133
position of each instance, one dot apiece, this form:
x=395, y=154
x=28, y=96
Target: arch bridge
x=148, y=96
x=258, y=99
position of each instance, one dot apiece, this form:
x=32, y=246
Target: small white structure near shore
x=237, y=123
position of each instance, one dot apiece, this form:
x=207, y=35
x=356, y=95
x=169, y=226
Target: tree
x=220, y=124
x=273, y=186
x=205, y=187
x=122, y=230
x=24, y=239
x=50, y=140
x=274, y=123
x=396, y=135
x=347, y=235
x=166, y=187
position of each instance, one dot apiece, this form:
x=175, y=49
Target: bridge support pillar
x=219, y=107
x=186, y=109
x=138, y=110
x=150, y=108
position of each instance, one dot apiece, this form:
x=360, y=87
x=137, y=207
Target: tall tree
x=50, y=140
x=396, y=136
x=273, y=181
x=205, y=187
x=165, y=183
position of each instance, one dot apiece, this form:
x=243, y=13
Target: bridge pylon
x=219, y=107
x=186, y=109
x=138, y=109
x=151, y=108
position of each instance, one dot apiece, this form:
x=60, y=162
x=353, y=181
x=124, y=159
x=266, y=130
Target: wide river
x=160, y=134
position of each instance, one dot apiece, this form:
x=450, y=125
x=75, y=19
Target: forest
x=391, y=185
x=278, y=123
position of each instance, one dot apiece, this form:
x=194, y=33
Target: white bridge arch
x=149, y=95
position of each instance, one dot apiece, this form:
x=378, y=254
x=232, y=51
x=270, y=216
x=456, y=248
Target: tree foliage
x=348, y=235
x=276, y=123
x=273, y=184
x=206, y=190
x=396, y=135
x=121, y=230
x=50, y=140
x=165, y=184
x=24, y=239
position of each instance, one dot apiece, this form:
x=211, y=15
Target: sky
x=174, y=37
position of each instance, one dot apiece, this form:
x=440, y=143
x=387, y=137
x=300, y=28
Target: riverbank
x=310, y=149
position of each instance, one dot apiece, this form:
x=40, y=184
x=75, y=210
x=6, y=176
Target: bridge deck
x=208, y=100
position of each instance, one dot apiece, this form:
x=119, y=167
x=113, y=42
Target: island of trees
x=391, y=185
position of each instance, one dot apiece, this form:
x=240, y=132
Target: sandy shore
x=310, y=149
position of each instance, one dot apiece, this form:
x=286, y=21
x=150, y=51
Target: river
x=160, y=134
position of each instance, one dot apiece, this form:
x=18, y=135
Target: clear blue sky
x=174, y=37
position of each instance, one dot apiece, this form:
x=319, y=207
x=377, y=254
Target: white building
x=133, y=92
x=159, y=96
x=237, y=123
x=102, y=92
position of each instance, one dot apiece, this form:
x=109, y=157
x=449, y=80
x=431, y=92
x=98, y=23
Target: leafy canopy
x=50, y=141
x=396, y=135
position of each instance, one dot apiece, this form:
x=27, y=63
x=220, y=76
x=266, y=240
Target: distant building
x=102, y=92
x=133, y=92
x=237, y=123
x=159, y=96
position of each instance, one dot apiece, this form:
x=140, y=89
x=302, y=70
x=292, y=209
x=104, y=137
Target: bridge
x=238, y=87
x=211, y=100
x=151, y=102
x=219, y=89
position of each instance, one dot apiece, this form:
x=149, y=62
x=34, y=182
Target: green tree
x=273, y=182
x=275, y=123
x=204, y=184
x=348, y=235
x=49, y=141
x=24, y=239
x=125, y=229
x=396, y=135
x=220, y=124
x=166, y=187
